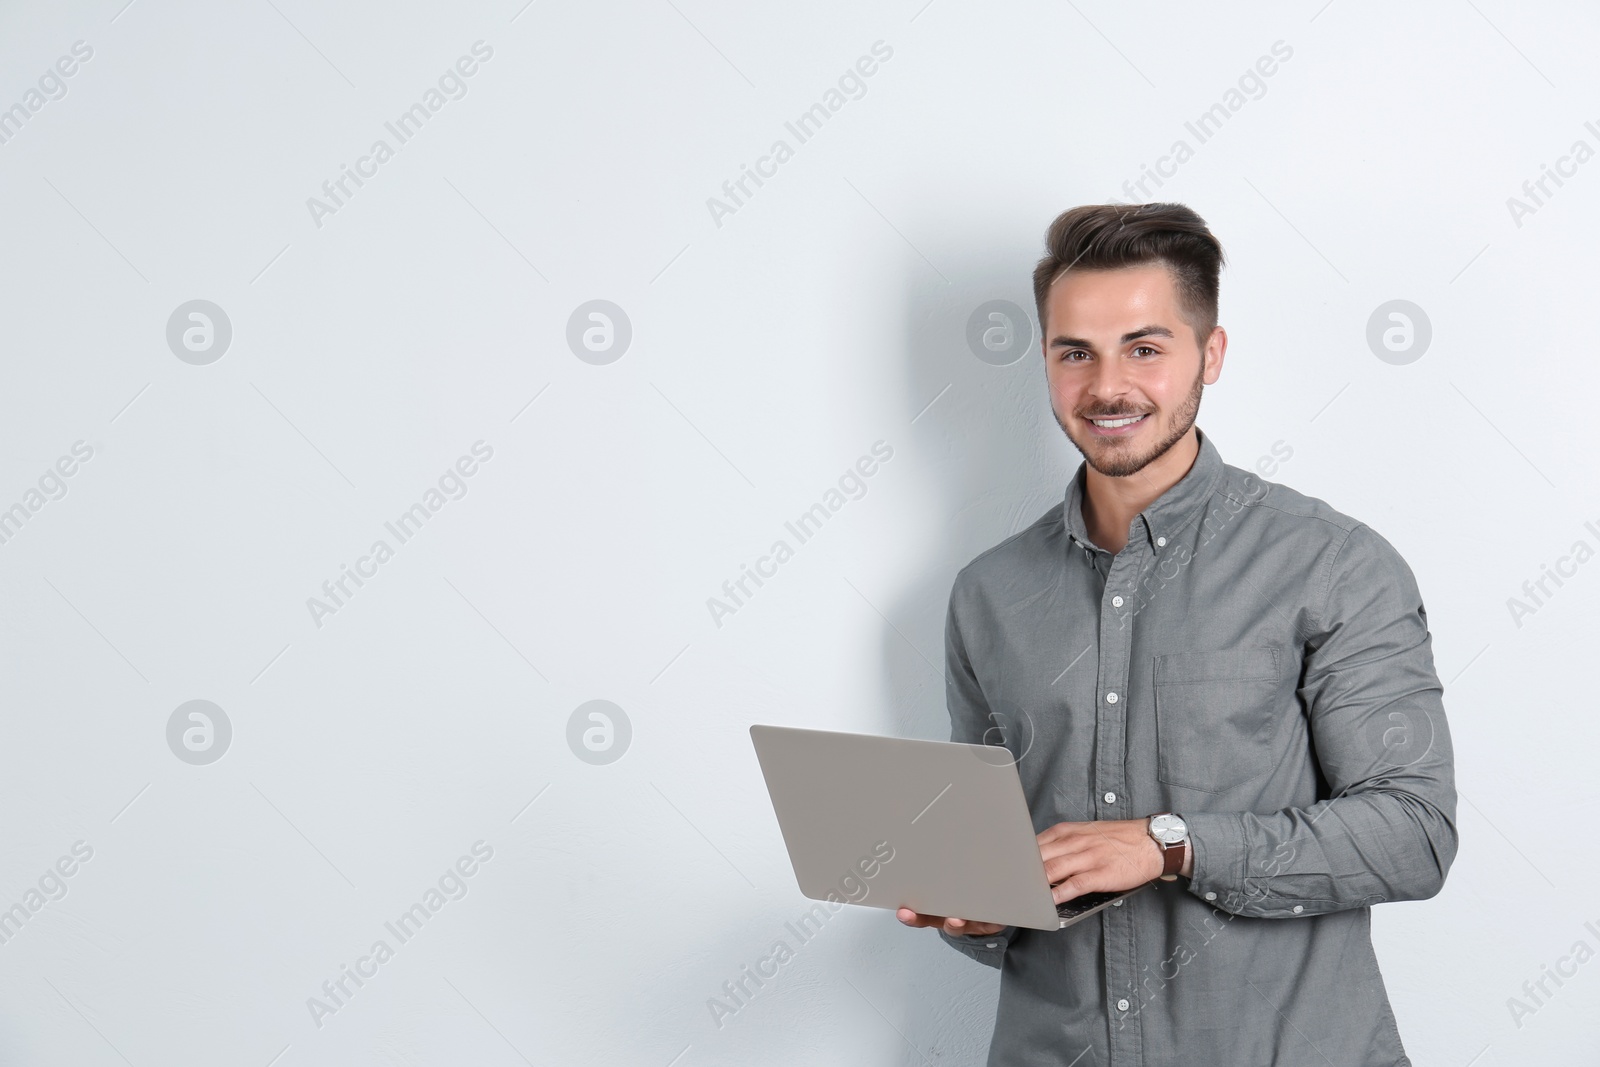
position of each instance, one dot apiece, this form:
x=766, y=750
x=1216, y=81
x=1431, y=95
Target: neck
x=1110, y=504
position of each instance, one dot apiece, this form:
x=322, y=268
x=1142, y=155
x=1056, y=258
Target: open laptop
x=939, y=827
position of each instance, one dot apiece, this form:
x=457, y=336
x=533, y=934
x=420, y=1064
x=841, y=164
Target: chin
x=1125, y=457
x=1118, y=464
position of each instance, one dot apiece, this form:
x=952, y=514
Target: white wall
x=374, y=345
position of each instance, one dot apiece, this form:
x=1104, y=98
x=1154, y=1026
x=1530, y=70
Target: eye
x=1071, y=357
x=1147, y=348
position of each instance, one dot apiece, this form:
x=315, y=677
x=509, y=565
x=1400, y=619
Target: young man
x=1203, y=677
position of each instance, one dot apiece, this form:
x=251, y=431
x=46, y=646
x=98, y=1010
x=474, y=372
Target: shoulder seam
x=1327, y=576
x=1227, y=490
x=1289, y=514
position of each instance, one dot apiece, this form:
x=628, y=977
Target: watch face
x=1168, y=829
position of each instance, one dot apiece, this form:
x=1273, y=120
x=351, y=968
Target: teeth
x=1112, y=424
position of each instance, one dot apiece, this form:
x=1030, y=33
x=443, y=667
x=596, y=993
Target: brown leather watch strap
x=1172, y=859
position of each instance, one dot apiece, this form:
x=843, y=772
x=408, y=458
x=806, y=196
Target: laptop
x=939, y=827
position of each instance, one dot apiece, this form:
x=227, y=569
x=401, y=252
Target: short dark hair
x=1108, y=236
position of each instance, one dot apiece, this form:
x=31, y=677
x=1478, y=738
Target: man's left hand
x=1096, y=857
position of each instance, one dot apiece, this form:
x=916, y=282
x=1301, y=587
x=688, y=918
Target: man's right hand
x=955, y=927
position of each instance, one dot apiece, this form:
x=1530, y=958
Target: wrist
x=1170, y=835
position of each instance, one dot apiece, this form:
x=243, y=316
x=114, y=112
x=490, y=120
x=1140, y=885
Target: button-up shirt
x=1260, y=664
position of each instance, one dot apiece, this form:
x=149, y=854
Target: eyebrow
x=1127, y=338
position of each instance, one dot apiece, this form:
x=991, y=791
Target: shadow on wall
x=991, y=447
x=998, y=460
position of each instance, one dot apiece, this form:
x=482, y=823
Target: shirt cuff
x=1217, y=842
x=987, y=949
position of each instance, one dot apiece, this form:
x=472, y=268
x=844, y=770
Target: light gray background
x=768, y=353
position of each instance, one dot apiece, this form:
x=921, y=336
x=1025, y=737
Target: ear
x=1216, y=350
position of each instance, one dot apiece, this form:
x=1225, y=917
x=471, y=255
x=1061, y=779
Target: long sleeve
x=970, y=723
x=1387, y=830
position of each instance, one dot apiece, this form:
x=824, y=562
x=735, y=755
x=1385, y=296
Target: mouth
x=1116, y=425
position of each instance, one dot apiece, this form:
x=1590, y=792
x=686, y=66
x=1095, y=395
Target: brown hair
x=1108, y=236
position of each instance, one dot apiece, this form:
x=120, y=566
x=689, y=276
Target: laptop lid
x=939, y=827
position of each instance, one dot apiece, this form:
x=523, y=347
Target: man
x=1181, y=639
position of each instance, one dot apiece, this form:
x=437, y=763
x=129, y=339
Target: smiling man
x=1207, y=680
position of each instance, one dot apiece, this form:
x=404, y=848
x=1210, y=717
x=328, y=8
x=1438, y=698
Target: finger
x=1093, y=879
x=912, y=918
x=1078, y=861
x=1069, y=888
x=1056, y=873
x=1067, y=846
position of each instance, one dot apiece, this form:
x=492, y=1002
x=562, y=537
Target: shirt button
x=1122, y=1005
x=1116, y=903
x=1211, y=896
x=1298, y=909
x=993, y=944
x=1111, y=698
x=1111, y=798
x=1161, y=542
x=1116, y=602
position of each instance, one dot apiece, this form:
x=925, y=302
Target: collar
x=1167, y=514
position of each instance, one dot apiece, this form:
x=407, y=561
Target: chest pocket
x=1215, y=717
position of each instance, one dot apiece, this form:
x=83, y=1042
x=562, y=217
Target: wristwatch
x=1172, y=837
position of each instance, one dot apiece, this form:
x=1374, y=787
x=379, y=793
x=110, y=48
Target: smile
x=1118, y=423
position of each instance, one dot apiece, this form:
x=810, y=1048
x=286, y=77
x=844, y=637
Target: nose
x=1109, y=380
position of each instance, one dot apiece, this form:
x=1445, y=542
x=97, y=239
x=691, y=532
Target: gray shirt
x=1260, y=664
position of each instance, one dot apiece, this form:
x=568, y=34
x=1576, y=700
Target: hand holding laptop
x=954, y=927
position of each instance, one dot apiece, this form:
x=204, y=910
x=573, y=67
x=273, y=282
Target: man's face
x=1124, y=371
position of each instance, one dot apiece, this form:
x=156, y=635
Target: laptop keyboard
x=1080, y=904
